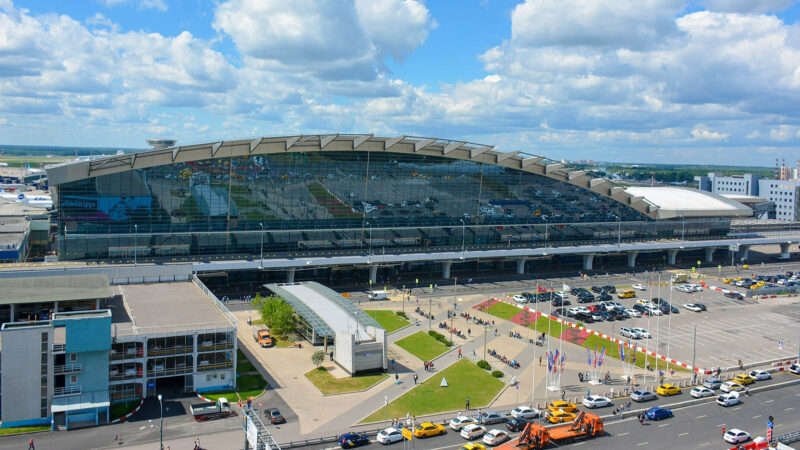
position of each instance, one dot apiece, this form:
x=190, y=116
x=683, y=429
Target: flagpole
x=658, y=326
x=669, y=323
x=533, y=372
x=549, y=323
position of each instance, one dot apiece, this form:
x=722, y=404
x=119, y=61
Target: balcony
x=59, y=348
x=66, y=369
x=176, y=350
x=115, y=374
x=208, y=346
x=67, y=390
x=130, y=353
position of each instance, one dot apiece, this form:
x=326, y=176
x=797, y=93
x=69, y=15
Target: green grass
x=120, y=409
x=17, y=430
x=422, y=345
x=328, y=384
x=503, y=310
x=249, y=386
x=389, y=320
x=464, y=379
x=243, y=364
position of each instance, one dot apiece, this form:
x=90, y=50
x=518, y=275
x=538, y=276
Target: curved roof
x=462, y=150
x=685, y=202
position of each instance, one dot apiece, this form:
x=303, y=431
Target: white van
x=378, y=295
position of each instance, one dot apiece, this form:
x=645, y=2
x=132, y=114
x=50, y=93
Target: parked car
x=390, y=436
x=731, y=386
x=457, y=423
x=639, y=287
x=744, y=379
x=644, y=333
x=643, y=395
x=597, y=289
x=495, y=437
x=701, y=391
x=604, y=297
x=586, y=298
x=519, y=299
x=473, y=446
x=667, y=390
x=352, y=440
x=712, y=383
x=596, y=401
x=562, y=405
x=275, y=416
x=632, y=312
x=629, y=333
x=525, y=412
x=736, y=436
x=684, y=288
x=760, y=375
x=658, y=413
x=427, y=429
x=735, y=295
x=491, y=417
x=472, y=431
x=560, y=416
x=609, y=289
x=692, y=307
x=702, y=306
x=585, y=317
x=518, y=424
x=795, y=369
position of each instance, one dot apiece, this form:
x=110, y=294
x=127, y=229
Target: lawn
x=249, y=386
x=120, y=409
x=586, y=340
x=389, y=320
x=328, y=384
x=422, y=345
x=464, y=379
x=503, y=310
x=243, y=364
x=17, y=430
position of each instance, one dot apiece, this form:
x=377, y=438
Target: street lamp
x=261, y=264
x=463, y=229
x=619, y=230
x=370, y=239
x=683, y=227
x=546, y=223
x=161, y=426
x=135, y=244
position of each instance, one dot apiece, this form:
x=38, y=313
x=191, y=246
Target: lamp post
x=463, y=241
x=619, y=230
x=546, y=223
x=261, y=264
x=135, y=244
x=370, y=239
x=161, y=425
x=683, y=227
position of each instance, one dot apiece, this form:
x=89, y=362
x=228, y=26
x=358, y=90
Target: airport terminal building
x=347, y=194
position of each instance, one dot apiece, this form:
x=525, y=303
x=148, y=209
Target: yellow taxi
x=727, y=280
x=561, y=405
x=744, y=379
x=473, y=446
x=627, y=293
x=668, y=389
x=560, y=416
x=737, y=279
x=427, y=429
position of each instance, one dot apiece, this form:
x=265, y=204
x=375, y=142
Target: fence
x=225, y=312
x=777, y=290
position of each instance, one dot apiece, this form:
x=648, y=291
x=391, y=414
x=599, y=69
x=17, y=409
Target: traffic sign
x=769, y=424
x=260, y=405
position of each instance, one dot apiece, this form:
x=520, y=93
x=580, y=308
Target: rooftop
x=164, y=308
x=48, y=288
x=674, y=202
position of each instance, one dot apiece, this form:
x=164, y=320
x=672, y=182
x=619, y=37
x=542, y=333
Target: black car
x=666, y=308
x=604, y=297
x=608, y=316
x=657, y=301
x=597, y=289
x=517, y=424
x=641, y=308
x=275, y=416
x=350, y=440
x=558, y=301
x=734, y=295
x=609, y=289
x=584, y=317
x=586, y=298
x=701, y=306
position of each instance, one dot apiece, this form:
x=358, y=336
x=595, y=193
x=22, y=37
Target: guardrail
x=67, y=368
x=67, y=390
x=787, y=438
x=225, y=312
x=59, y=348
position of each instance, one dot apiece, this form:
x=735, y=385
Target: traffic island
x=388, y=319
x=464, y=379
x=248, y=386
x=328, y=384
x=422, y=345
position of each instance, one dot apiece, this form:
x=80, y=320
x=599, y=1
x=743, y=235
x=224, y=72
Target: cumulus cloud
x=702, y=133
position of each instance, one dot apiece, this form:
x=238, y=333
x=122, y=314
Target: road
x=698, y=425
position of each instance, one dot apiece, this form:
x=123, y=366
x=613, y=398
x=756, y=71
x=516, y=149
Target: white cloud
x=748, y=6
x=160, y=5
x=700, y=132
x=396, y=27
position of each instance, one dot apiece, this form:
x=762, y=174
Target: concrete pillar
x=587, y=261
x=55, y=307
x=13, y=311
x=521, y=265
x=672, y=256
x=632, y=258
x=710, y=254
x=785, y=250
x=290, y=275
x=97, y=304
x=744, y=250
x=446, y=269
x=373, y=274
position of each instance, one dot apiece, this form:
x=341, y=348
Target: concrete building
x=736, y=184
x=785, y=194
x=94, y=344
x=325, y=317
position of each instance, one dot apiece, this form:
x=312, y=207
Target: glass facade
x=337, y=202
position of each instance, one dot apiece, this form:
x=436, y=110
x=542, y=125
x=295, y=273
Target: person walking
x=540, y=360
x=641, y=419
x=415, y=378
x=468, y=403
x=459, y=352
x=396, y=379
x=30, y=445
x=563, y=395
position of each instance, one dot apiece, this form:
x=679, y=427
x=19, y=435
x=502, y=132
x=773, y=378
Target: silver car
x=642, y=396
x=491, y=417
x=712, y=383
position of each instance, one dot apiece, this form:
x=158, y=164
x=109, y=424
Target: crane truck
x=535, y=436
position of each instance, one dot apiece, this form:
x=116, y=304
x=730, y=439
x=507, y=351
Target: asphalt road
x=695, y=425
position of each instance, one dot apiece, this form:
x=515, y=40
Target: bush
x=579, y=324
x=484, y=365
x=497, y=373
x=402, y=314
x=440, y=338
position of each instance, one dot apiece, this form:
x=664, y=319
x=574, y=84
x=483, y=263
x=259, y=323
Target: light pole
x=135, y=244
x=463, y=229
x=546, y=223
x=370, y=239
x=694, y=350
x=619, y=230
x=485, y=332
x=161, y=425
x=683, y=228
x=261, y=264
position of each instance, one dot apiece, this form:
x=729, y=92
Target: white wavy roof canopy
x=673, y=202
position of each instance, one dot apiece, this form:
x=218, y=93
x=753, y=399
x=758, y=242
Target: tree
x=317, y=357
x=277, y=314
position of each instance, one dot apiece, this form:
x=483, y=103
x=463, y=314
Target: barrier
x=127, y=416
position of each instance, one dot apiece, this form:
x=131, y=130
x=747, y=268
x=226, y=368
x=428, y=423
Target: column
x=12, y=311
x=588, y=259
x=290, y=275
x=632, y=258
x=672, y=256
x=744, y=250
x=710, y=254
x=55, y=307
x=373, y=273
x=446, y=269
x=521, y=265
x=785, y=250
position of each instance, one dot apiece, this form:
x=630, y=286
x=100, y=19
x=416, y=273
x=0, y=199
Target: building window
x=73, y=379
x=73, y=357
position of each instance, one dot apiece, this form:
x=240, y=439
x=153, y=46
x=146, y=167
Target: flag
x=595, y=356
x=633, y=355
x=589, y=355
x=563, y=357
x=620, y=353
x=565, y=287
x=517, y=386
x=602, y=356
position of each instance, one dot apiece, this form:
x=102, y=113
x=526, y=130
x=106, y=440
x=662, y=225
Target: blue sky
x=670, y=81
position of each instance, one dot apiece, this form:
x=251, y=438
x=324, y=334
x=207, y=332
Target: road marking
x=768, y=401
x=700, y=417
x=720, y=425
x=642, y=443
x=756, y=417
x=623, y=434
x=682, y=434
x=579, y=443
x=789, y=409
x=737, y=408
x=663, y=425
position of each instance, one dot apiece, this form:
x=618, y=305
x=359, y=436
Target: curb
x=127, y=416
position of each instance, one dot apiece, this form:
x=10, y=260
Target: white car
x=731, y=386
x=692, y=307
x=643, y=333
x=729, y=399
x=495, y=437
x=654, y=311
x=736, y=436
x=795, y=369
x=644, y=302
x=633, y=313
x=525, y=412
x=572, y=311
x=472, y=431
x=561, y=294
x=596, y=401
x=390, y=436
x=760, y=375
x=639, y=287
x=696, y=287
x=701, y=391
x=519, y=299
x=630, y=333
x=684, y=288
x=461, y=421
